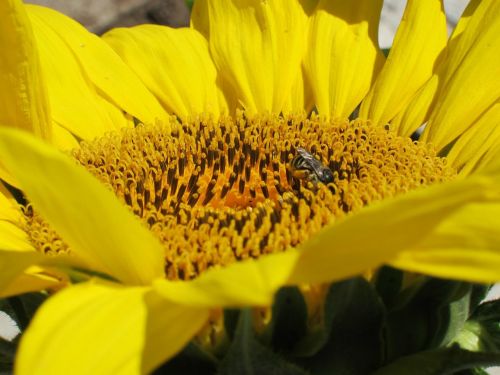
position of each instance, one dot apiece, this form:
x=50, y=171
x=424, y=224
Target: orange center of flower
x=216, y=192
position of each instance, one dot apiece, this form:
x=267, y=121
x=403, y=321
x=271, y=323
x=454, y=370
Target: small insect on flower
x=305, y=165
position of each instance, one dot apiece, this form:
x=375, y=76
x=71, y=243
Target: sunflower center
x=216, y=192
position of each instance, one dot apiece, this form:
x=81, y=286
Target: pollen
x=220, y=191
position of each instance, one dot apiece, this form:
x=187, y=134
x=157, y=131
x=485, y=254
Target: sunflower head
x=259, y=159
x=220, y=191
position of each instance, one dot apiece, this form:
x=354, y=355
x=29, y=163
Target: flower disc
x=216, y=192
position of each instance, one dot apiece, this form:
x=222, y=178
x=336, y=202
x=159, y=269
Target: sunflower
x=195, y=178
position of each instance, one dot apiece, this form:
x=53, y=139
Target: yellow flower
x=274, y=60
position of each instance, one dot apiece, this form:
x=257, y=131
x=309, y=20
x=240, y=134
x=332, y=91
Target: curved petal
x=301, y=97
x=12, y=265
x=476, y=141
x=465, y=247
x=257, y=47
x=466, y=31
x=17, y=255
x=490, y=161
x=418, y=110
x=103, y=67
x=63, y=138
x=471, y=83
x=343, y=56
x=33, y=279
x=173, y=63
x=419, y=42
x=87, y=216
x=74, y=101
x=379, y=232
x=105, y=329
x=247, y=283
x=12, y=237
x=23, y=94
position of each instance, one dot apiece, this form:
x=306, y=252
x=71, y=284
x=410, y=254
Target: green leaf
x=231, y=318
x=247, y=356
x=192, y=360
x=440, y=362
x=485, y=326
x=388, y=283
x=478, y=294
x=289, y=320
x=355, y=318
x=431, y=318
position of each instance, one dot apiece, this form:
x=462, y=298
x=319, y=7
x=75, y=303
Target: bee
x=305, y=165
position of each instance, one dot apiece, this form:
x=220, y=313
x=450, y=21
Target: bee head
x=326, y=175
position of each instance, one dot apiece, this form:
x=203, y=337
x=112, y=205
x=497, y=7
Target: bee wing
x=317, y=166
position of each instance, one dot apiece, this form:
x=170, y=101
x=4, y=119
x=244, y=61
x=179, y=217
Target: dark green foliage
x=430, y=318
x=388, y=283
x=439, y=362
x=231, y=317
x=379, y=327
x=248, y=356
x=192, y=360
x=289, y=320
x=354, y=344
x=487, y=317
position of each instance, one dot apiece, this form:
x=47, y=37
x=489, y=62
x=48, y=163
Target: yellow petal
x=74, y=101
x=17, y=254
x=464, y=247
x=247, y=283
x=104, y=67
x=63, y=138
x=105, y=329
x=301, y=97
x=466, y=31
x=377, y=233
x=257, y=47
x=419, y=41
x=12, y=237
x=417, y=111
x=23, y=95
x=471, y=78
x=12, y=265
x=33, y=279
x=490, y=161
x=343, y=56
x=174, y=64
x=464, y=19
x=9, y=208
x=471, y=147
x=89, y=218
